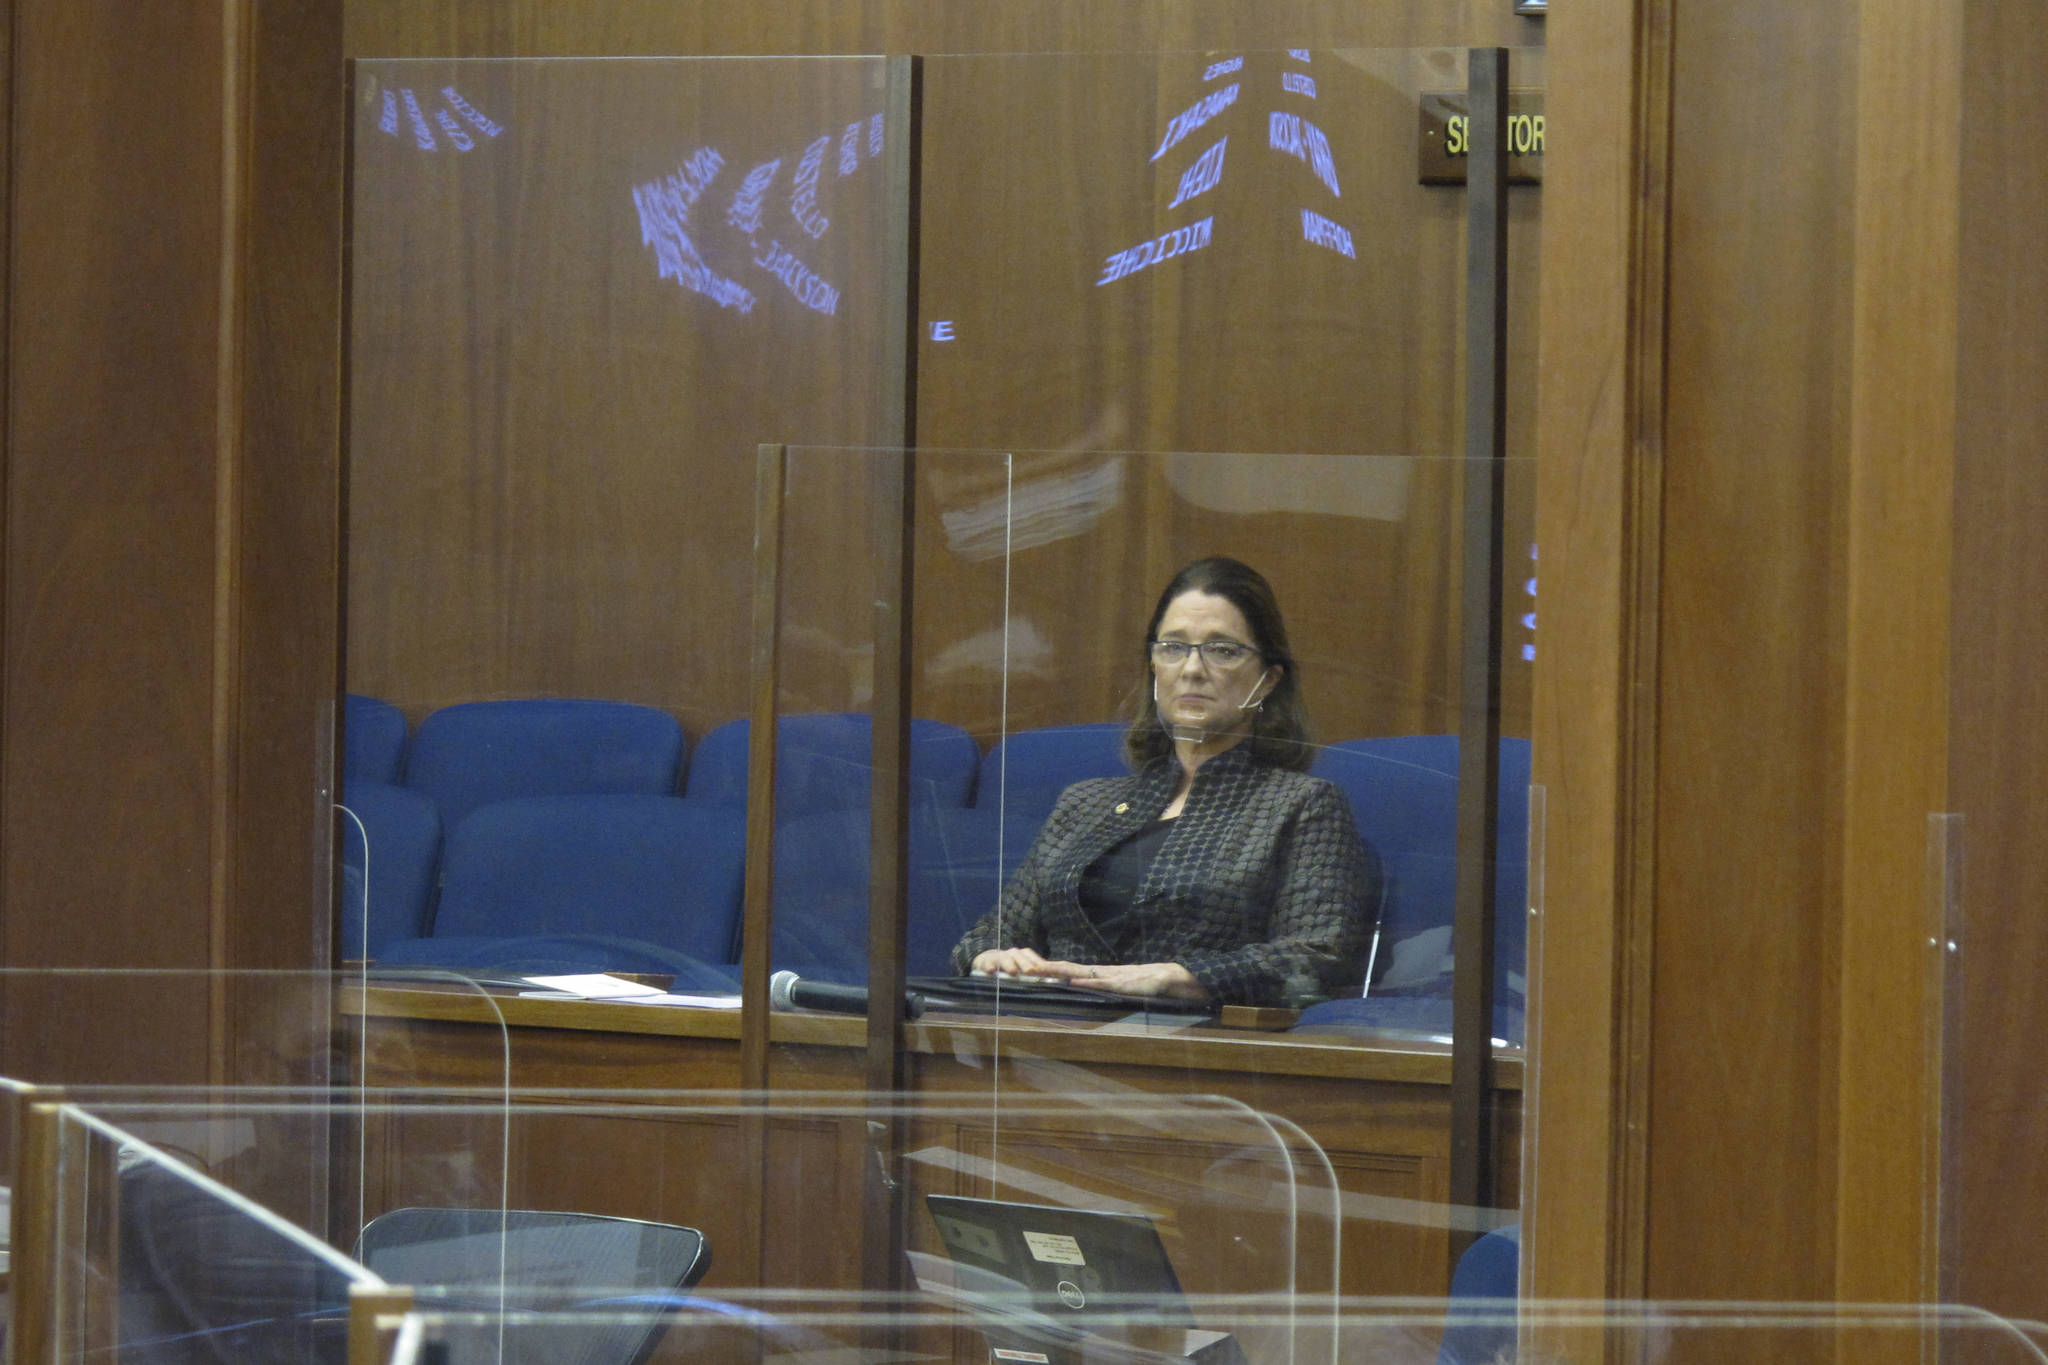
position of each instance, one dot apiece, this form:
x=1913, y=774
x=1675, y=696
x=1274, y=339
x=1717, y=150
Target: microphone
x=788, y=991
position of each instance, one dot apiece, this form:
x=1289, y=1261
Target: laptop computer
x=1066, y=1263
x=1060, y=1286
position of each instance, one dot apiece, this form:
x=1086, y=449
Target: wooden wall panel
x=113, y=355
x=527, y=28
x=287, y=537
x=551, y=466
x=1599, y=519
x=171, y=392
x=1996, y=1180
x=1749, y=672
x=460, y=590
x=1900, y=511
x=110, y=634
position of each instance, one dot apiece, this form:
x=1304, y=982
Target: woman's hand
x=1167, y=979
x=1019, y=962
x=1161, y=979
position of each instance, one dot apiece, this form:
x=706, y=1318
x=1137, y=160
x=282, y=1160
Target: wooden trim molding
x=1599, y=518
x=1901, y=507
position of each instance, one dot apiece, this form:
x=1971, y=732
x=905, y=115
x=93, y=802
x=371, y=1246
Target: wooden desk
x=1377, y=1109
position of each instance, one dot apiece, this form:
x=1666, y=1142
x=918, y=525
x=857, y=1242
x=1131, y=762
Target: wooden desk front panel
x=1221, y=1184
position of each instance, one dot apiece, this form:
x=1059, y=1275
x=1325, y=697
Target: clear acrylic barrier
x=558, y=391
x=1034, y=573
x=148, y=1259
x=803, y=1330
x=778, y=1191
x=301, y=1035
x=1032, y=579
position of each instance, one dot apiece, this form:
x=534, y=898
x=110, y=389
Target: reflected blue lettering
x=1164, y=247
x=1300, y=54
x=1203, y=176
x=1320, y=230
x=803, y=204
x=664, y=208
x=1299, y=83
x=423, y=127
x=849, y=149
x=1296, y=136
x=1223, y=68
x=476, y=120
x=1195, y=115
x=422, y=135
x=745, y=213
x=463, y=141
x=799, y=279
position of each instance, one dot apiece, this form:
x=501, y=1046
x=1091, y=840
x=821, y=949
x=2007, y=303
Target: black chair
x=531, y=1272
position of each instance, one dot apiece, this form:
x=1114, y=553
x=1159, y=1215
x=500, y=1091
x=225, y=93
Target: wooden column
x=169, y=574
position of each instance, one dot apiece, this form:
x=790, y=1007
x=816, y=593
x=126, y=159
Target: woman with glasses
x=1219, y=870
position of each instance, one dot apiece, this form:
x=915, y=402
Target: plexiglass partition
x=145, y=1257
x=586, y=294
x=1401, y=1333
x=1033, y=578
x=164, y=1232
x=307, y=1035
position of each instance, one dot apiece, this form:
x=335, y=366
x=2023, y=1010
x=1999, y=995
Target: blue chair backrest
x=400, y=842
x=824, y=762
x=474, y=753
x=959, y=859
x=1479, y=1328
x=373, y=739
x=654, y=868
x=1403, y=792
x=1028, y=770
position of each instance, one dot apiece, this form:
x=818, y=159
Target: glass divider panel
x=154, y=1257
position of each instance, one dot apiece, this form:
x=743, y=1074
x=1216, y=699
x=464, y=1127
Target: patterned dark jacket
x=1263, y=889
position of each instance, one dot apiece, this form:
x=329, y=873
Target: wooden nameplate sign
x=1267, y=1017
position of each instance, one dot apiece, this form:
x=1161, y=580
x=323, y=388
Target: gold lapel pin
x=1122, y=806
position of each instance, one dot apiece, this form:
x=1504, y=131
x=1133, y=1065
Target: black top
x=1109, y=890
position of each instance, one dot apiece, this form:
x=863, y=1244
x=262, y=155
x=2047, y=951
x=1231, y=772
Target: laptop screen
x=1071, y=1264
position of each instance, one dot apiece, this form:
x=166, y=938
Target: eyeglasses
x=1215, y=653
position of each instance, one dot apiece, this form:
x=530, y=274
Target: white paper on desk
x=702, y=1002
x=594, y=986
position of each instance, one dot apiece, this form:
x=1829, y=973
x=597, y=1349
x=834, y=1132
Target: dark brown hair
x=1280, y=726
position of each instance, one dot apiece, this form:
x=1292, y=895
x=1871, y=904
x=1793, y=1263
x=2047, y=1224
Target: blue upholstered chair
x=959, y=859
x=1479, y=1328
x=1027, y=771
x=588, y=883
x=475, y=753
x=824, y=762
x=1404, y=792
x=389, y=863
x=373, y=740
